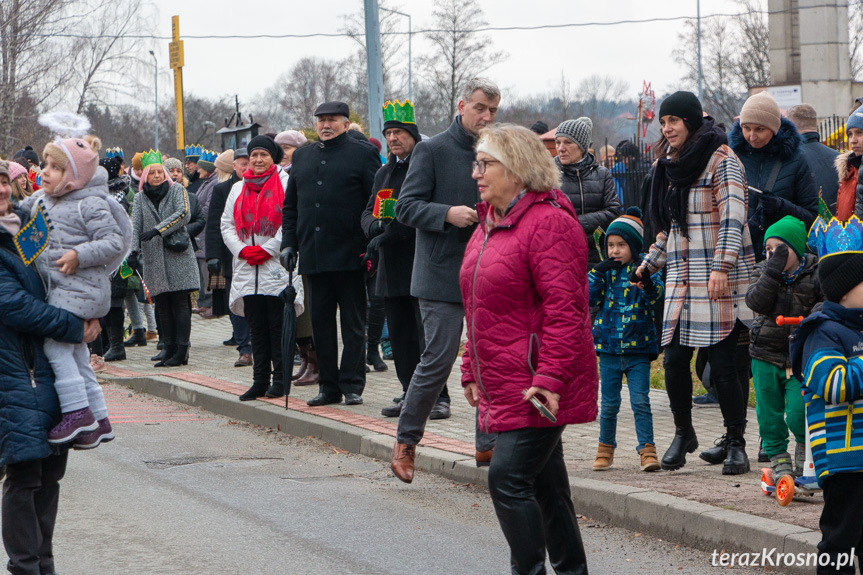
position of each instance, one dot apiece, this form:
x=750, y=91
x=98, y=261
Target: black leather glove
x=605, y=265
x=777, y=261
x=646, y=280
x=288, y=257
x=377, y=228
x=771, y=205
x=149, y=235
x=214, y=265
x=132, y=261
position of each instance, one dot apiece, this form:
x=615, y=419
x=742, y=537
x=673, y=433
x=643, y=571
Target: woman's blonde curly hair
x=524, y=156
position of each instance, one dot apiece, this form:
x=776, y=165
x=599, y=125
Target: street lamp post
x=156, y=90
x=410, y=61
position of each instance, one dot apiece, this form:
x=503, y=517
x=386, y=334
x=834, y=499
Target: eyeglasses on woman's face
x=479, y=166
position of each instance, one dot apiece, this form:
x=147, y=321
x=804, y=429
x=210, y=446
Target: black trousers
x=345, y=291
x=376, y=314
x=529, y=487
x=175, y=317
x=31, y=493
x=264, y=314
x=841, y=520
x=407, y=338
x=722, y=358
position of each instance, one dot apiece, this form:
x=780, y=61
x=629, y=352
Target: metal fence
x=629, y=164
x=832, y=133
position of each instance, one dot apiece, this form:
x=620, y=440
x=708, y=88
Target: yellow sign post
x=175, y=51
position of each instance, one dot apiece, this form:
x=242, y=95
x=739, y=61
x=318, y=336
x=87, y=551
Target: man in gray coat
x=439, y=199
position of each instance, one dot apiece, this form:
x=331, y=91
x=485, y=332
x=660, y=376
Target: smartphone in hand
x=543, y=410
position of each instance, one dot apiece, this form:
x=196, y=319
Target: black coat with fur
x=794, y=185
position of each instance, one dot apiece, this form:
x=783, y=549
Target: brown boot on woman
x=311, y=376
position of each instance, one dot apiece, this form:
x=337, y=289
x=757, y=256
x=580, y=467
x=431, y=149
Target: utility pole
x=410, y=59
x=375, y=68
x=698, y=35
x=156, y=89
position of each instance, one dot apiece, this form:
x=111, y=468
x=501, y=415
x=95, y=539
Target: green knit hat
x=791, y=231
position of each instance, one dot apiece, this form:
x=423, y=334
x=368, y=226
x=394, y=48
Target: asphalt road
x=183, y=491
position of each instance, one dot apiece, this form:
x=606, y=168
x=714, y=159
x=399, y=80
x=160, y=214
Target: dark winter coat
x=825, y=356
x=439, y=177
x=204, y=197
x=820, y=159
x=29, y=407
x=396, y=258
x=215, y=247
x=194, y=182
x=524, y=284
x=328, y=190
x=625, y=322
x=591, y=189
x=769, y=297
x=794, y=185
x=197, y=221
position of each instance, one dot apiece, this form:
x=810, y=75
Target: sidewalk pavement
x=696, y=505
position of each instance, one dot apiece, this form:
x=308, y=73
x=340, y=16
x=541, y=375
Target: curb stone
x=661, y=515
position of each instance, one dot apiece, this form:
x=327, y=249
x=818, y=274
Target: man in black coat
x=328, y=190
x=819, y=157
x=391, y=250
x=219, y=257
x=193, y=154
x=439, y=198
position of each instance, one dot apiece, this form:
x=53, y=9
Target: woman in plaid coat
x=699, y=203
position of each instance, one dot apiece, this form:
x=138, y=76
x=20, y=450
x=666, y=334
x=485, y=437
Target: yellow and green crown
x=398, y=112
x=151, y=157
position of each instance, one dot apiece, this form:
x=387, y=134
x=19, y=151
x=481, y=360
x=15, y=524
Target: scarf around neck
x=158, y=193
x=669, y=191
x=258, y=210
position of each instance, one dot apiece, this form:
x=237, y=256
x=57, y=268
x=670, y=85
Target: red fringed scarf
x=258, y=210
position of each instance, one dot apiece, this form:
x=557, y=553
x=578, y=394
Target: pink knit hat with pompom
x=15, y=170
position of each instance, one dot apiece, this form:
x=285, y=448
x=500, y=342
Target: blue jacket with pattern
x=826, y=355
x=624, y=323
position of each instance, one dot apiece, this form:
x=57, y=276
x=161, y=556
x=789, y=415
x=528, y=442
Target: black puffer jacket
x=769, y=297
x=794, y=185
x=590, y=187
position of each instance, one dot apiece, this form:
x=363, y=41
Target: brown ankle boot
x=311, y=375
x=649, y=462
x=604, y=457
x=304, y=354
x=403, y=461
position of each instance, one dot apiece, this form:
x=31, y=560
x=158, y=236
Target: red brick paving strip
x=355, y=419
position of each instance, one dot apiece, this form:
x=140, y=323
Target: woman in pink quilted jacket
x=524, y=286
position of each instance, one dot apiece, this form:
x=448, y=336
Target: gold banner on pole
x=175, y=50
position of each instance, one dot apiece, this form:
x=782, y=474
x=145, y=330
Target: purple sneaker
x=92, y=439
x=72, y=424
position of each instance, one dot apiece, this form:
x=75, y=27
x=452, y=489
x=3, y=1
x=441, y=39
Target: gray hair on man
x=804, y=117
x=489, y=88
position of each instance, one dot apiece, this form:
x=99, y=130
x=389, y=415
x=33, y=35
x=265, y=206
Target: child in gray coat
x=90, y=236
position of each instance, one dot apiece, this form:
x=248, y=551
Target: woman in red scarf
x=252, y=230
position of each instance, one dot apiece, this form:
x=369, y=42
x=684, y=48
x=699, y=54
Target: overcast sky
x=535, y=59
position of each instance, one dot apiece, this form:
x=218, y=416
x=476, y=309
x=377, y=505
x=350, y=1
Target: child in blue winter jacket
x=624, y=334
x=827, y=355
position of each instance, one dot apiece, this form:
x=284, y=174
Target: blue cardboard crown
x=829, y=237
x=208, y=156
x=194, y=150
x=111, y=152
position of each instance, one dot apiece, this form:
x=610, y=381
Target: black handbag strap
x=774, y=173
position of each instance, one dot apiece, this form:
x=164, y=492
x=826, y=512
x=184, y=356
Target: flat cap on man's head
x=241, y=153
x=333, y=109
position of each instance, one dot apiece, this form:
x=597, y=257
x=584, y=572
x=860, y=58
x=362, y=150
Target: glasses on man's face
x=480, y=165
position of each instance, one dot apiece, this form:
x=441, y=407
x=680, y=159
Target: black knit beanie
x=839, y=273
x=684, y=105
x=267, y=144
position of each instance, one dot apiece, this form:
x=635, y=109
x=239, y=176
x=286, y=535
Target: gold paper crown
x=151, y=157
x=395, y=111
